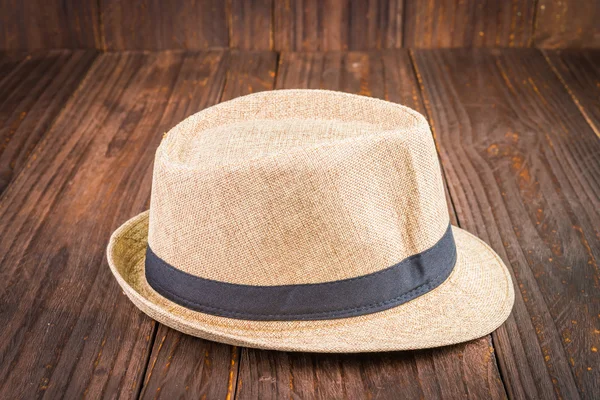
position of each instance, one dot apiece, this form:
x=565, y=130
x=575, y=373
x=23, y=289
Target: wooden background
x=517, y=130
x=297, y=25
x=518, y=133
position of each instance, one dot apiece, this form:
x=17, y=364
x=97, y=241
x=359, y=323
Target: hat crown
x=296, y=186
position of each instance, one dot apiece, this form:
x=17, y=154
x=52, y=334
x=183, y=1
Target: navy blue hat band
x=366, y=294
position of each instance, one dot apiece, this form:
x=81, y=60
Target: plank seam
x=501, y=372
x=236, y=353
x=533, y=23
x=143, y=381
x=272, y=28
x=101, y=30
x=571, y=93
x=229, y=22
x=403, y=38
x=419, y=79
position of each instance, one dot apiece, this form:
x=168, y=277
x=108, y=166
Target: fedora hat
x=307, y=220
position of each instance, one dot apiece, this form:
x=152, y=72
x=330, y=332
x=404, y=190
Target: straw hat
x=307, y=220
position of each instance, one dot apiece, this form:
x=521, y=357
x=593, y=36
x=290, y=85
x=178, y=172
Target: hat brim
x=475, y=300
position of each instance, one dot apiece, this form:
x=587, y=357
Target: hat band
x=366, y=294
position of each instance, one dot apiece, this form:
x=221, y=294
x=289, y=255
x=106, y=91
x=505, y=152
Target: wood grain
x=49, y=24
x=466, y=370
x=524, y=175
x=457, y=371
x=185, y=366
x=297, y=25
x=312, y=25
x=67, y=328
x=456, y=23
x=580, y=74
x=567, y=23
x=33, y=90
x=161, y=25
x=517, y=132
x=199, y=84
x=181, y=364
x=250, y=24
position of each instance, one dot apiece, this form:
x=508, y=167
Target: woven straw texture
x=296, y=187
x=300, y=186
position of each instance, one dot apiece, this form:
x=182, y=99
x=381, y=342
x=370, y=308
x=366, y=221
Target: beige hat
x=307, y=220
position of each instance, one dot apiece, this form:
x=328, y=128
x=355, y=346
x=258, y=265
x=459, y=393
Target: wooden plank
x=468, y=369
x=523, y=172
x=184, y=364
x=249, y=72
x=161, y=25
x=9, y=62
x=580, y=73
x=312, y=25
x=177, y=360
x=250, y=24
x=43, y=24
x=457, y=23
x=68, y=329
x=567, y=23
x=33, y=90
x=465, y=370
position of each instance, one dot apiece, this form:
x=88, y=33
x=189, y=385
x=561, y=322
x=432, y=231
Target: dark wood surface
x=517, y=133
x=297, y=25
x=567, y=24
x=250, y=24
x=524, y=175
x=488, y=23
x=161, y=25
x=49, y=24
x=34, y=89
x=68, y=330
x=313, y=25
x=579, y=72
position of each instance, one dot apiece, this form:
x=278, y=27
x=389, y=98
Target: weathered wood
x=43, y=24
x=456, y=23
x=456, y=371
x=312, y=25
x=177, y=361
x=184, y=364
x=524, y=175
x=518, y=152
x=32, y=93
x=67, y=328
x=579, y=71
x=401, y=87
x=466, y=370
x=161, y=25
x=567, y=23
x=249, y=72
x=250, y=24
x=296, y=25
x=9, y=61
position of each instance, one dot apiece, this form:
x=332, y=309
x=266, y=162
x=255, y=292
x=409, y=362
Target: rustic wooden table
x=518, y=137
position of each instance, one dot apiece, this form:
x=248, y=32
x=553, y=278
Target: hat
x=307, y=220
